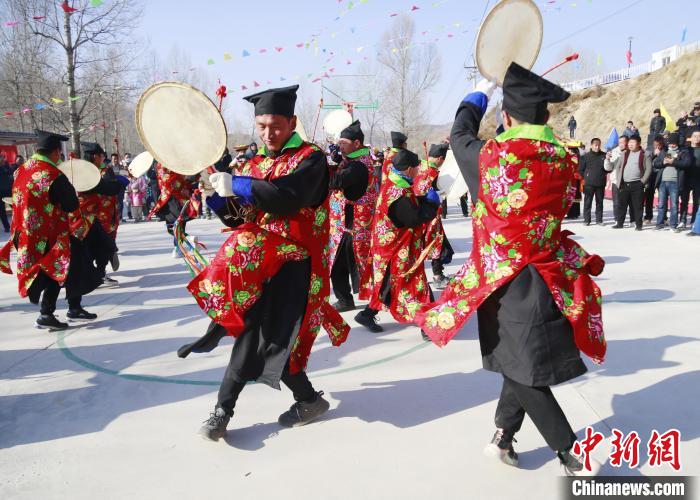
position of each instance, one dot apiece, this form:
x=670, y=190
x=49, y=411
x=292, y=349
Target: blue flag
x=613, y=140
x=684, y=33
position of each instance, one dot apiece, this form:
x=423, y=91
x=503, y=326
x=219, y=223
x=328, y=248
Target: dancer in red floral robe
x=268, y=285
x=353, y=200
x=440, y=249
x=48, y=256
x=398, y=230
x=527, y=279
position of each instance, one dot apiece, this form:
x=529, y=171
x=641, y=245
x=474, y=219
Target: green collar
x=396, y=150
x=529, y=131
x=428, y=163
x=37, y=156
x=357, y=153
x=294, y=142
x=398, y=179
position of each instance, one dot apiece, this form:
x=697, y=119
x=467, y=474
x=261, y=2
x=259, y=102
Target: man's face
x=633, y=145
x=623, y=143
x=695, y=139
x=275, y=130
x=595, y=146
x=658, y=145
x=115, y=159
x=98, y=159
x=437, y=161
x=19, y=160
x=347, y=146
x=656, y=113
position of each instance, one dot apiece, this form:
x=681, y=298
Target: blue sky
x=207, y=29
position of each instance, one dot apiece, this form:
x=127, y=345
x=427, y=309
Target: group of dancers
x=298, y=224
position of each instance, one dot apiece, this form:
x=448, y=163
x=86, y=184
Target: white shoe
x=176, y=253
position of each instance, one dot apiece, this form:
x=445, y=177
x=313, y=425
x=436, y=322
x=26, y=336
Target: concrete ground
x=108, y=410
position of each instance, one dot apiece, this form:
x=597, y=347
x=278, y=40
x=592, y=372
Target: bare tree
x=411, y=70
x=84, y=36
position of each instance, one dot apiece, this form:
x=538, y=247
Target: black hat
x=397, y=139
x=657, y=110
x=353, y=132
x=438, y=150
x=405, y=159
x=275, y=101
x=93, y=148
x=673, y=138
x=49, y=141
x=525, y=94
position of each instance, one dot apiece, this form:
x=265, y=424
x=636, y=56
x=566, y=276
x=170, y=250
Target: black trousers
x=631, y=195
x=344, y=275
x=540, y=405
x=648, y=202
x=437, y=266
x=590, y=192
x=464, y=204
x=230, y=389
x=50, y=296
x=685, y=198
x=3, y=217
x=444, y=208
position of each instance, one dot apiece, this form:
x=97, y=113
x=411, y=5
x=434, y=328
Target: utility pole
x=629, y=58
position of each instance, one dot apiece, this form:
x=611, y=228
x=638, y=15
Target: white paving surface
x=109, y=411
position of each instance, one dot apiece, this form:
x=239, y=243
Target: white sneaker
x=176, y=253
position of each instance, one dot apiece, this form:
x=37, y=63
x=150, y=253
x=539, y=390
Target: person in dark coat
x=572, y=127
x=5, y=190
x=522, y=332
x=656, y=127
x=650, y=188
x=594, y=178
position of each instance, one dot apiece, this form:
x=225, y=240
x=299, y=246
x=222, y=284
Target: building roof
x=10, y=138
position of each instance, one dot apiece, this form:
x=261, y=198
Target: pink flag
x=279, y=49
x=414, y=8
x=628, y=55
x=243, y=87
x=255, y=84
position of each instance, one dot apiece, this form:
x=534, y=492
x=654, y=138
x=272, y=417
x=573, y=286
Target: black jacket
x=682, y=162
x=592, y=170
x=6, y=179
x=658, y=125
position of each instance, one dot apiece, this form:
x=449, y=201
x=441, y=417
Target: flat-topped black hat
x=48, y=140
x=93, y=148
x=353, y=132
x=438, y=150
x=526, y=95
x=275, y=101
x=405, y=159
x=397, y=139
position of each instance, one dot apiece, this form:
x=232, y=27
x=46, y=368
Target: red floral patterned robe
x=386, y=164
x=256, y=250
x=170, y=184
x=40, y=227
x=396, y=251
x=527, y=183
x=434, y=231
x=362, y=224
x=100, y=207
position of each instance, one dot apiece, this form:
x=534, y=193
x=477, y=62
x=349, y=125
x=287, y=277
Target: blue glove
x=432, y=196
x=124, y=181
x=242, y=187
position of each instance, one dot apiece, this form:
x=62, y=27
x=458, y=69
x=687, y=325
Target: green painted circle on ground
x=167, y=380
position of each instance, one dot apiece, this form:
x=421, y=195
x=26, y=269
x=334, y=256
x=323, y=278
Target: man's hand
x=221, y=183
x=486, y=87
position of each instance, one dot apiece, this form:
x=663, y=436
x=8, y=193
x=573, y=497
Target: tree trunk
x=70, y=56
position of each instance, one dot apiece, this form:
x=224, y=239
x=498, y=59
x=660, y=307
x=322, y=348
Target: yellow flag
x=670, y=123
x=56, y=100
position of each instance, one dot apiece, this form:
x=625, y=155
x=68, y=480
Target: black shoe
x=49, y=321
x=304, y=412
x=617, y=226
x=343, y=306
x=599, y=223
x=574, y=465
x=107, y=281
x=693, y=234
x=638, y=228
x=114, y=261
x=369, y=322
x=659, y=227
x=80, y=314
x=215, y=426
x=501, y=447
x=588, y=223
